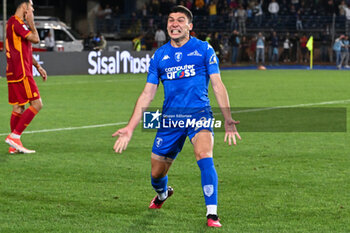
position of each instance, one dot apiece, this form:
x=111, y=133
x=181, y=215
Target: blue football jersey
x=184, y=73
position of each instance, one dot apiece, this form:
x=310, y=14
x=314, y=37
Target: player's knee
x=157, y=174
x=203, y=154
x=38, y=105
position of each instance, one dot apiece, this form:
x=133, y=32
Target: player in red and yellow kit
x=22, y=88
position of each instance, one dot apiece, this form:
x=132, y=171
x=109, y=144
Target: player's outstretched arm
x=222, y=98
x=125, y=134
x=40, y=69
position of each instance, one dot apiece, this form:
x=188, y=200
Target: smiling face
x=179, y=27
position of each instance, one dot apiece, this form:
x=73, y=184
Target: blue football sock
x=160, y=186
x=209, y=181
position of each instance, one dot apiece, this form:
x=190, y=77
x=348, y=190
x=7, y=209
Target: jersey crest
x=178, y=56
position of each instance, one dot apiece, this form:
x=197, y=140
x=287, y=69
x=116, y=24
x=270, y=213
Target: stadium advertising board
x=90, y=62
x=118, y=62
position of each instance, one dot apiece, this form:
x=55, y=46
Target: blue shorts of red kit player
x=169, y=141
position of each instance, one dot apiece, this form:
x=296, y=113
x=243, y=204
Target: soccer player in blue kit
x=184, y=65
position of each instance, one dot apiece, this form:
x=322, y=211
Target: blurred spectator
x=242, y=18
x=299, y=23
x=285, y=57
x=49, y=42
x=303, y=41
x=274, y=9
x=100, y=19
x=137, y=43
x=324, y=47
x=116, y=18
x=88, y=42
x=273, y=49
x=208, y=38
x=330, y=8
x=215, y=43
x=345, y=52
x=252, y=48
x=295, y=3
x=235, y=43
x=160, y=37
x=284, y=7
x=107, y=12
x=99, y=42
x=91, y=16
x=188, y=4
x=149, y=39
x=212, y=12
x=295, y=44
x=232, y=19
x=199, y=8
x=337, y=46
x=244, y=50
x=341, y=8
x=260, y=49
x=258, y=12
x=347, y=22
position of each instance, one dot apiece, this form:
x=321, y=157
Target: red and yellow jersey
x=18, y=50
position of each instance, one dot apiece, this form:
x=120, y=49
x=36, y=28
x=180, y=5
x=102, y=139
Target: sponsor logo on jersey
x=212, y=59
x=180, y=71
x=194, y=53
x=166, y=57
x=25, y=27
x=178, y=56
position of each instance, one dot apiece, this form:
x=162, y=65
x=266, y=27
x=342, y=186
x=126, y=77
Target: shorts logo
x=151, y=120
x=178, y=56
x=159, y=142
x=208, y=190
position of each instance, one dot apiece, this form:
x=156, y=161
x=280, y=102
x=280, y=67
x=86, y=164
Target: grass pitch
x=269, y=182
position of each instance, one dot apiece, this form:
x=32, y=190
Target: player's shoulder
x=16, y=19
x=161, y=51
x=200, y=44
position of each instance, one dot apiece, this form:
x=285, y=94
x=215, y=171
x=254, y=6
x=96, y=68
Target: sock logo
x=208, y=190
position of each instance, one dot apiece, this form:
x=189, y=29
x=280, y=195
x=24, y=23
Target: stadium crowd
x=233, y=27
x=226, y=15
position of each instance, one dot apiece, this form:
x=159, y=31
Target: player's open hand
x=231, y=131
x=43, y=73
x=123, y=140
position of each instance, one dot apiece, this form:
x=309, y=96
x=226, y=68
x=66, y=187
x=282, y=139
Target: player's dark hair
x=184, y=10
x=19, y=2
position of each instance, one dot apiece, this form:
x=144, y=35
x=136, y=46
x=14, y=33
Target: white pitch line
x=293, y=106
x=123, y=123
x=70, y=128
